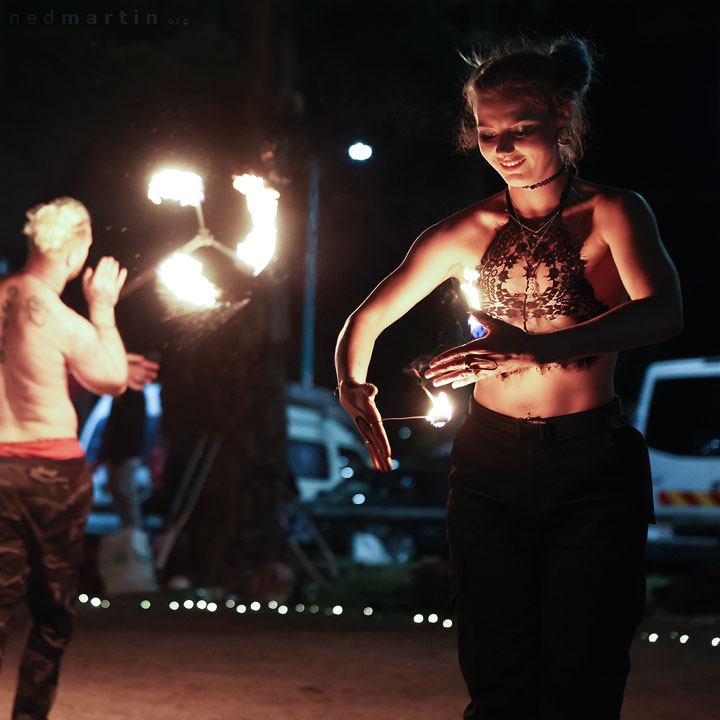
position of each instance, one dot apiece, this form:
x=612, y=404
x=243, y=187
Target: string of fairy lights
x=257, y=607
x=433, y=618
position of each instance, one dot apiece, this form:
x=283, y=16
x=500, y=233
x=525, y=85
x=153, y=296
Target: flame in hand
x=441, y=411
x=184, y=187
x=472, y=295
x=470, y=288
x=258, y=247
x=183, y=277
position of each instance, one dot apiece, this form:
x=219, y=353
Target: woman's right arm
x=438, y=254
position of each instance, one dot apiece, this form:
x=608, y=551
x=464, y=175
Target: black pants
x=547, y=522
x=44, y=505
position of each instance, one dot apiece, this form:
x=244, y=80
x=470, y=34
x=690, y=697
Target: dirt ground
x=131, y=664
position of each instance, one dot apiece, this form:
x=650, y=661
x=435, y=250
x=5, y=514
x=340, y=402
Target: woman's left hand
x=502, y=349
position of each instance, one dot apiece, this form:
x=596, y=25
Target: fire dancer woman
x=550, y=487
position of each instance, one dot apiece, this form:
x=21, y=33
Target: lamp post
x=308, y=345
x=358, y=152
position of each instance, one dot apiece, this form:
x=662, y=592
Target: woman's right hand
x=358, y=401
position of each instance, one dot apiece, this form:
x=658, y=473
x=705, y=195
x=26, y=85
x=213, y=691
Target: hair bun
x=572, y=64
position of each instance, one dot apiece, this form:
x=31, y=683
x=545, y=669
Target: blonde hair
x=51, y=225
x=550, y=76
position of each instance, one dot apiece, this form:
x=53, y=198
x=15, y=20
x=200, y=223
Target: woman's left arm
x=654, y=310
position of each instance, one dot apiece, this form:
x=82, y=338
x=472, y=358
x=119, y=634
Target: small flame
x=185, y=187
x=470, y=288
x=472, y=295
x=183, y=276
x=258, y=247
x=441, y=411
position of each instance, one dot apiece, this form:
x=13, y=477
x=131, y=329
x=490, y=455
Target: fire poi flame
x=184, y=187
x=472, y=295
x=183, y=276
x=258, y=247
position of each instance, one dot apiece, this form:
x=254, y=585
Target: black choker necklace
x=546, y=181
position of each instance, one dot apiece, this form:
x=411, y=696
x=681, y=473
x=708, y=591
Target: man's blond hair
x=51, y=225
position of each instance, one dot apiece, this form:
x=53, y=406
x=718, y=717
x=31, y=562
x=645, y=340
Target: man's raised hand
x=101, y=286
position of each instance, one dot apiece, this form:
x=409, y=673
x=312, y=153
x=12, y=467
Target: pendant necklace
x=538, y=235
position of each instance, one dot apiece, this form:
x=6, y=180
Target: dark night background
x=93, y=110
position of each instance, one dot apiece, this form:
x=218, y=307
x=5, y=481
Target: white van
x=324, y=447
x=678, y=411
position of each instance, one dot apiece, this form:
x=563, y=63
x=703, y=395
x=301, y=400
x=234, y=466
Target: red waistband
x=53, y=448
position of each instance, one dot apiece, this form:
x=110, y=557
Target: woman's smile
x=511, y=164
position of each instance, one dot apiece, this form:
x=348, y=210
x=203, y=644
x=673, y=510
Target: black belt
x=598, y=419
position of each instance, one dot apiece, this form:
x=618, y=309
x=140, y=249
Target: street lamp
x=360, y=152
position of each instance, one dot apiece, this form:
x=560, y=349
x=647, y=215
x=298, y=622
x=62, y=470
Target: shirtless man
x=549, y=487
x=45, y=483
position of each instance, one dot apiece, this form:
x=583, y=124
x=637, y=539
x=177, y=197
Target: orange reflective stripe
x=684, y=498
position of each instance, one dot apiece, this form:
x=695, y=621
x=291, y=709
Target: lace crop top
x=521, y=282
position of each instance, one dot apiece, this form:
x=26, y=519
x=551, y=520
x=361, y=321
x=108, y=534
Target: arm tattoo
x=364, y=427
x=36, y=310
x=5, y=321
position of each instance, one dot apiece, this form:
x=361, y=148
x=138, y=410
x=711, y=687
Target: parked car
x=403, y=509
x=324, y=448
x=678, y=411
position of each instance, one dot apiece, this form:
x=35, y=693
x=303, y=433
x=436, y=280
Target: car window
x=684, y=418
x=351, y=464
x=307, y=459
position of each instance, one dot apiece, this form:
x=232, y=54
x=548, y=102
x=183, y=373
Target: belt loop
x=546, y=432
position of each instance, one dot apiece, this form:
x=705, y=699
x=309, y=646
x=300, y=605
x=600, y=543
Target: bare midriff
x=550, y=391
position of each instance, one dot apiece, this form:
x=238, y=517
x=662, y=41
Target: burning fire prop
x=182, y=274
x=258, y=247
x=183, y=187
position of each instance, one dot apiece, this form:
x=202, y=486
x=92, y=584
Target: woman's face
x=517, y=138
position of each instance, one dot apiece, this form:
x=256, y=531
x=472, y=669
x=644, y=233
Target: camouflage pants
x=43, y=509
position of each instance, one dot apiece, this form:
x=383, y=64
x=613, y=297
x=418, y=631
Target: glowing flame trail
x=183, y=276
x=477, y=329
x=258, y=247
x=184, y=187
